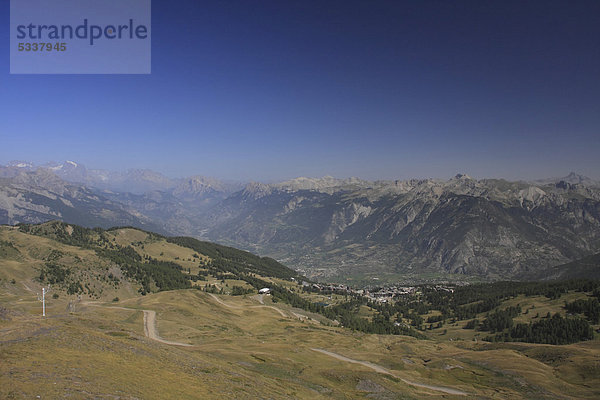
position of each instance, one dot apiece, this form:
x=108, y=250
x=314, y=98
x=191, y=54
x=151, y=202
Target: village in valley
x=381, y=294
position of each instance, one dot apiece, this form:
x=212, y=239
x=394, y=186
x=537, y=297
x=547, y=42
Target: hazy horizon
x=378, y=90
x=184, y=175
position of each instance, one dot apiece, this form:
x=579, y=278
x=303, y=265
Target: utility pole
x=43, y=300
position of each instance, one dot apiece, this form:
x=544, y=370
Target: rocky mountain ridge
x=136, y=181
x=40, y=195
x=346, y=228
x=490, y=228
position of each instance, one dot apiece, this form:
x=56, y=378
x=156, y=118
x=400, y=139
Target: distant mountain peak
x=574, y=177
x=256, y=190
x=460, y=176
x=21, y=164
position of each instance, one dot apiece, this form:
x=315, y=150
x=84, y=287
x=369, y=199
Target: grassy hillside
x=243, y=350
x=232, y=259
x=156, y=262
x=93, y=345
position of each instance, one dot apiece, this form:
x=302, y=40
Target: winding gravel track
x=149, y=324
x=386, y=371
x=218, y=300
x=150, y=319
x=152, y=333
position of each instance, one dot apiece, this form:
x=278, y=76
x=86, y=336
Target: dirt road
x=152, y=333
x=218, y=300
x=383, y=370
x=149, y=323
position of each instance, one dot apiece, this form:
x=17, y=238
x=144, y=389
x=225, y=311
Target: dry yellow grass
x=245, y=350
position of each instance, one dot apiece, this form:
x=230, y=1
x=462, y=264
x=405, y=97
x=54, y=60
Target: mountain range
x=348, y=230
x=136, y=181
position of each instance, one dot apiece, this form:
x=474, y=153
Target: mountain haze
x=40, y=196
x=173, y=204
x=344, y=229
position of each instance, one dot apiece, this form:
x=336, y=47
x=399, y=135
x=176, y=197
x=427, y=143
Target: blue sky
x=269, y=90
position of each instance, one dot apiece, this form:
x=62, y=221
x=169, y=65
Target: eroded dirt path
x=382, y=370
x=218, y=300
